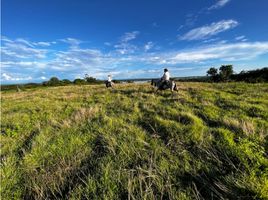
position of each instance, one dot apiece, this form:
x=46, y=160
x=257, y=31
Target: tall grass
x=208, y=141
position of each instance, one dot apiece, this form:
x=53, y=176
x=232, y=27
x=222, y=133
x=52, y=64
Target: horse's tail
x=154, y=82
x=175, y=86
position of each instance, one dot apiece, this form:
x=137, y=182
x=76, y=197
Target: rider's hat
x=165, y=70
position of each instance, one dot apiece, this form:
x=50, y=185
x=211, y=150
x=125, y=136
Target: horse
x=109, y=84
x=164, y=85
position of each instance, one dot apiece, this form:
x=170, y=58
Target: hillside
x=86, y=142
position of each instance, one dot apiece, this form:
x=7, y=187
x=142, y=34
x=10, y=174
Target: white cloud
x=241, y=38
x=8, y=77
x=43, y=77
x=180, y=27
x=124, y=47
x=129, y=36
x=207, y=31
x=191, y=18
x=16, y=50
x=44, y=44
x=107, y=43
x=148, y=46
x=218, y=4
x=27, y=42
x=223, y=52
x=72, y=62
x=72, y=41
x=23, y=41
x=24, y=64
x=211, y=40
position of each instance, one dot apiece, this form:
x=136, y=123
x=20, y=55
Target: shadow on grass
x=89, y=166
x=133, y=92
x=212, y=185
x=215, y=183
x=27, y=144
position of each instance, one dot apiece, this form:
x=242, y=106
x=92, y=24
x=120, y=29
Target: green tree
x=66, y=82
x=212, y=71
x=53, y=81
x=79, y=81
x=90, y=79
x=226, y=71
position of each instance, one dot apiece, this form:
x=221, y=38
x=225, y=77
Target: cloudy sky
x=129, y=38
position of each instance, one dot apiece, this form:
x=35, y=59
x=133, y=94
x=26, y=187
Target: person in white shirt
x=165, y=78
x=109, y=78
x=109, y=82
x=166, y=75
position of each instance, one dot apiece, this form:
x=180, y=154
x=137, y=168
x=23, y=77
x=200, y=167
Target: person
x=165, y=78
x=109, y=82
x=109, y=79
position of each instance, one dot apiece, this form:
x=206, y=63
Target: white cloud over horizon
x=21, y=62
x=9, y=77
x=224, y=52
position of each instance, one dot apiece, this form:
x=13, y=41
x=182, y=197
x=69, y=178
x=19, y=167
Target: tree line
x=54, y=81
x=226, y=73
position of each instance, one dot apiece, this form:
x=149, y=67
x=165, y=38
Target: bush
x=79, y=81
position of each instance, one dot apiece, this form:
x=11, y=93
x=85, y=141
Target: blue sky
x=129, y=38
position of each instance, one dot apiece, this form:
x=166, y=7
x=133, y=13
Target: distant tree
x=252, y=76
x=90, y=79
x=226, y=71
x=45, y=83
x=54, y=81
x=66, y=82
x=79, y=81
x=116, y=81
x=213, y=73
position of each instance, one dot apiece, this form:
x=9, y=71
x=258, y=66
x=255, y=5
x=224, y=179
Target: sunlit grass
x=87, y=142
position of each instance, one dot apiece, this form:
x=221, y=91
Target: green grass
x=86, y=142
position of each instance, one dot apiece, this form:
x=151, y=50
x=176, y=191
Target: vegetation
x=87, y=142
x=226, y=73
x=252, y=76
x=212, y=71
x=52, y=82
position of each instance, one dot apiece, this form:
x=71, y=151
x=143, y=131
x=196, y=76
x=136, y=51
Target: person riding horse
x=109, y=82
x=164, y=81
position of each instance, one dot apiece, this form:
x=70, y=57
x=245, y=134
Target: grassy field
x=86, y=142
